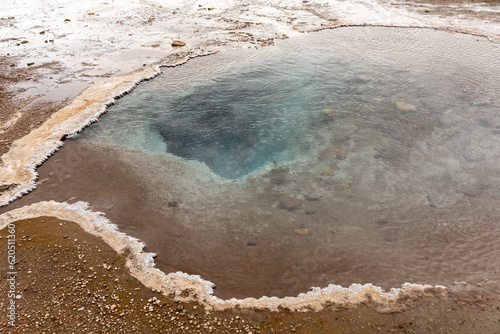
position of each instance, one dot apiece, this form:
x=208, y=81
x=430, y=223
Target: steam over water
x=347, y=156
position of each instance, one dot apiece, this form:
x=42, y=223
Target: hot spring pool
x=345, y=156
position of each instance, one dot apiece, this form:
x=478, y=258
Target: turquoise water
x=245, y=111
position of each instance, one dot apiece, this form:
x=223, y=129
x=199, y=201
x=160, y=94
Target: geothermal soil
x=72, y=282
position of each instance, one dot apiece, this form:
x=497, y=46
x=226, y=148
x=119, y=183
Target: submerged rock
x=302, y=230
x=471, y=190
x=332, y=152
x=404, y=106
x=290, y=204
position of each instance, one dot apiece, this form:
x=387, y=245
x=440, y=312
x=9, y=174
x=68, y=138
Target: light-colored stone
x=404, y=106
x=178, y=43
x=301, y=231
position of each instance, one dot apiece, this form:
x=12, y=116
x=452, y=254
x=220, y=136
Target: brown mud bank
x=71, y=281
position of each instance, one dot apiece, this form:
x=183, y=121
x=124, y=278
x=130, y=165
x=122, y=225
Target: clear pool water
x=346, y=156
x=240, y=112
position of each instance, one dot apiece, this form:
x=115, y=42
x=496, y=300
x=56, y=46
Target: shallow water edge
x=186, y=287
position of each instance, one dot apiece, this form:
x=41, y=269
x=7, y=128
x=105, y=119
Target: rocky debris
x=278, y=176
x=277, y=181
x=487, y=183
x=178, y=43
x=430, y=202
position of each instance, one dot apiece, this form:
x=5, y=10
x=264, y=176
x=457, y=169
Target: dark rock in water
x=278, y=176
x=277, y=182
x=173, y=204
x=311, y=199
x=178, y=43
x=251, y=244
x=382, y=222
x=309, y=213
x=484, y=123
x=290, y=204
x=430, y=202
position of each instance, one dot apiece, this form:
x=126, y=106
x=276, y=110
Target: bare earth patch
x=21, y=115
